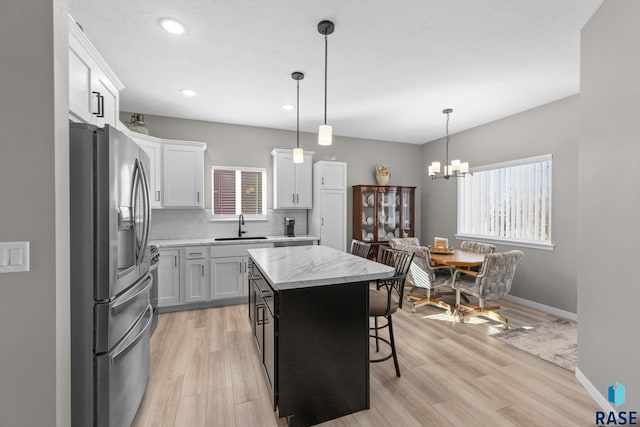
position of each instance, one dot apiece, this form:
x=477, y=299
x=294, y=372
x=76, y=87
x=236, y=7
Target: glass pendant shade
x=325, y=134
x=298, y=155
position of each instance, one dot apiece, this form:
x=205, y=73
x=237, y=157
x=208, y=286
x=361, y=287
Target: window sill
x=546, y=246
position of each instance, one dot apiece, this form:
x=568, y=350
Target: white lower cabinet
x=196, y=274
x=169, y=277
x=228, y=277
x=201, y=276
x=197, y=280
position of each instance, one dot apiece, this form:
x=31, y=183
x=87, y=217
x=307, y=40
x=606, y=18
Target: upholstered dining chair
x=359, y=248
x=493, y=281
x=424, y=274
x=477, y=247
x=386, y=298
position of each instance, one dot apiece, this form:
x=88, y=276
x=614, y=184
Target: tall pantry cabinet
x=328, y=218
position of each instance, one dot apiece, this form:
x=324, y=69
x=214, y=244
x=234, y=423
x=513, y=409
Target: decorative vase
x=382, y=179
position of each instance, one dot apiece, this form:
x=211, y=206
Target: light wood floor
x=205, y=372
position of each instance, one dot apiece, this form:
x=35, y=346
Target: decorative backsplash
x=190, y=224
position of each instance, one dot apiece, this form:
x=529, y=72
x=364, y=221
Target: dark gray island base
x=309, y=313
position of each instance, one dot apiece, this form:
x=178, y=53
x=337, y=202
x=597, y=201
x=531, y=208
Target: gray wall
x=234, y=145
x=34, y=305
x=551, y=128
x=609, y=200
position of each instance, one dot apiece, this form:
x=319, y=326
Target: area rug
x=555, y=341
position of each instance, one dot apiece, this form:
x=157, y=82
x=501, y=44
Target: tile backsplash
x=196, y=223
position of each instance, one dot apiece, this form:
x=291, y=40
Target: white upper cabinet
x=176, y=175
x=292, y=182
x=331, y=175
x=183, y=174
x=153, y=148
x=94, y=89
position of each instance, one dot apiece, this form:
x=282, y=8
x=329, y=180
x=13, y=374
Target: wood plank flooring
x=205, y=372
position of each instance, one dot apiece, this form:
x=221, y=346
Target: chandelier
x=454, y=170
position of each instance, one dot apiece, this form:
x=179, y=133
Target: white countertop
x=308, y=266
x=211, y=241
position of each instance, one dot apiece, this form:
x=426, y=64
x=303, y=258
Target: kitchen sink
x=220, y=239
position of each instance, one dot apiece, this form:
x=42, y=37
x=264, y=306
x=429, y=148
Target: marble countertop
x=211, y=241
x=297, y=267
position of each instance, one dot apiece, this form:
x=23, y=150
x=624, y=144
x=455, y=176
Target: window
x=238, y=190
x=507, y=202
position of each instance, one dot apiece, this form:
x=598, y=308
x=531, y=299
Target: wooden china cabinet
x=381, y=213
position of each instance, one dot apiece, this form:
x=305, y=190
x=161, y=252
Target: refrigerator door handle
x=129, y=298
x=132, y=343
x=134, y=209
x=147, y=210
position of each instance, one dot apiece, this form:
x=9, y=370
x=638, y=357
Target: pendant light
x=298, y=154
x=325, y=131
x=454, y=170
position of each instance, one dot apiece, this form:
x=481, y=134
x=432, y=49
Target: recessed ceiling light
x=188, y=92
x=172, y=26
x=288, y=107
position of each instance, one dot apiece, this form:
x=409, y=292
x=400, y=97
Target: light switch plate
x=14, y=257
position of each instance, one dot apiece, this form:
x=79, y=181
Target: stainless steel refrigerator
x=110, y=281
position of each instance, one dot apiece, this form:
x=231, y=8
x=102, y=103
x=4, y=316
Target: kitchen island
x=309, y=313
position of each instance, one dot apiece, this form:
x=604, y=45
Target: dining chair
x=424, y=274
x=359, y=248
x=477, y=247
x=386, y=298
x=493, y=281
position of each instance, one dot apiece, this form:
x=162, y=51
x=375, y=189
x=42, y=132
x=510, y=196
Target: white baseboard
x=546, y=308
x=593, y=392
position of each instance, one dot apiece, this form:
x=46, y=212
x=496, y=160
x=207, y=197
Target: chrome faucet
x=240, y=224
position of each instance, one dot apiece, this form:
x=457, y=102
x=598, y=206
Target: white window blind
x=510, y=201
x=251, y=186
x=238, y=190
x=224, y=192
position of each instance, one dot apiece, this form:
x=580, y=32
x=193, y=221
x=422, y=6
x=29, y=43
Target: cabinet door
x=284, y=182
x=182, y=176
x=303, y=182
x=107, y=99
x=196, y=280
x=333, y=220
x=332, y=175
x=154, y=174
x=228, y=277
x=407, y=210
x=80, y=96
x=169, y=277
x=388, y=214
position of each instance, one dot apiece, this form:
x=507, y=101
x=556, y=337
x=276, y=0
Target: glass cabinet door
x=388, y=214
x=368, y=214
x=407, y=210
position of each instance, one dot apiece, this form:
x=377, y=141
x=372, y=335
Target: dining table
x=458, y=258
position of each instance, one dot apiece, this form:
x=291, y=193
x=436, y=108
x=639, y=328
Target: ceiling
x=392, y=65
